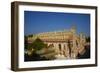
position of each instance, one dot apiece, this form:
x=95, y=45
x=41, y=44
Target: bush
x=38, y=44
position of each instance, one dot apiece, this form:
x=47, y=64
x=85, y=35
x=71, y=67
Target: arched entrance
x=59, y=47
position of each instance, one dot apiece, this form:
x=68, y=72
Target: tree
x=30, y=36
x=87, y=39
x=26, y=42
x=38, y=44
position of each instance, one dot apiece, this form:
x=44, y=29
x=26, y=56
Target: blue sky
x=37, y=22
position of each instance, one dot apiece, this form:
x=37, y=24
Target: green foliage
x=87, y=39
x=27, y=46
x=38, y=44
x=30, y=36
x=26, y=42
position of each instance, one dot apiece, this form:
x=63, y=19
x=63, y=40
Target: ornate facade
x=67, y=44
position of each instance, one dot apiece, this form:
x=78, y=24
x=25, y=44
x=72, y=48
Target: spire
x=74, y=26
x=73, y=29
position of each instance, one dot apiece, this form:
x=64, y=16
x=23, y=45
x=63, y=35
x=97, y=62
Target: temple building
x=67, y=43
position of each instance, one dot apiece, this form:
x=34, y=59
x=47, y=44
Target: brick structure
x=67, y=44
